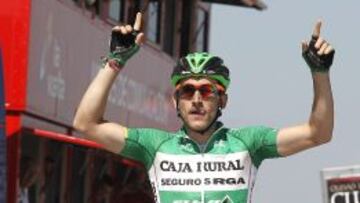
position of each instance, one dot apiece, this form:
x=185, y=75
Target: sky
x=272, y=86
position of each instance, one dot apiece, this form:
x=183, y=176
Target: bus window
x=52, y=165
x=102, y=190
x=201, y=31
x=132, y=185
x=93, y=6
x=102, y=182
x=30, y=169
x=53, y=171
x=153, y=27
x=79, y=167
x=29, y=175
x=40, y=175
x=170, y=24
x=116, y=10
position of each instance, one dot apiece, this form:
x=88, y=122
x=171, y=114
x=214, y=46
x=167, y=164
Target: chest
x=184, y=172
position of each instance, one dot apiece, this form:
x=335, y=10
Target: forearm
x=318, y=55
x=318, y=129
x=125, y=42
x=92, y=106
x=321, y=120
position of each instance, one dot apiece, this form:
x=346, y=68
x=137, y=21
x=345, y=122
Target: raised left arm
x=318, y=129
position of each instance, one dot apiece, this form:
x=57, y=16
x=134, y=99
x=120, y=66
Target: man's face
x=199, y=109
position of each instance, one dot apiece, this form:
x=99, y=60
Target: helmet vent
x=193, y=62
x=201, y=62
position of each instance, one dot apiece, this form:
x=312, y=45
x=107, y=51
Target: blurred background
x=51, y=49
x=272, y=85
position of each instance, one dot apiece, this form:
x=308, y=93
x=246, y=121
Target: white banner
x=341, y=185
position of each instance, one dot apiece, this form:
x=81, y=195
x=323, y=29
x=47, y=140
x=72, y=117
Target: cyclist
x=204, y=161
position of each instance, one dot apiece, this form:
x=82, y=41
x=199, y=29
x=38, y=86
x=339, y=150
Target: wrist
x=320, y=75
x=122, y=55
x=112, y=66
x=319, y=71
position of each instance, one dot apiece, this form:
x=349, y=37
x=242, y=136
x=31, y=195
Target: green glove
x=122, y=47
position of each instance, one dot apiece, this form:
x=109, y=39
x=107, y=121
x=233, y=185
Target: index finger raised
x=317, y=28
x=137, y=24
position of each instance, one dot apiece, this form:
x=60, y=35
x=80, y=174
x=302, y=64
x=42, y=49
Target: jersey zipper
x=209, y=140
x=202, y=152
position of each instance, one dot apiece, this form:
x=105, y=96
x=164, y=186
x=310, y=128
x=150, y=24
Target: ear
x=223, y=101
x=174, y=101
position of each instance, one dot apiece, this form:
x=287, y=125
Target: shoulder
x=251, y=134
x=148, y=131
x=250, y=130
x=149, y=135
x=142, y=144
x=260, y=141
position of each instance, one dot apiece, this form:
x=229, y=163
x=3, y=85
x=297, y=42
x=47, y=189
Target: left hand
x=318, y=54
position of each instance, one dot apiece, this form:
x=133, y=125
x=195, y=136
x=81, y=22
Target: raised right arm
x=89, y=115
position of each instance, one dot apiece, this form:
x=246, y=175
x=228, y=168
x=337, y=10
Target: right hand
x=126, y=41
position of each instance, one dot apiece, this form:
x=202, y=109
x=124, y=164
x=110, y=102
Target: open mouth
x=197, y=112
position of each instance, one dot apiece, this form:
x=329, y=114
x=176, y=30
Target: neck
x=201, y=137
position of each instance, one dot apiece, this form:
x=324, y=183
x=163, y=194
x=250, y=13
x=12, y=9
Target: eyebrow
x=205, y=82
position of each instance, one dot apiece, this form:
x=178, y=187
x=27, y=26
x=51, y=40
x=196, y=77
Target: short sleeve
x=141, y=144
x=261, y=143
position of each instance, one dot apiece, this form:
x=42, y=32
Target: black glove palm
x=316, y=62
x=122, y=46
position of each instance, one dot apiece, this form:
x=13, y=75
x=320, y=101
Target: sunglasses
x=206, y=91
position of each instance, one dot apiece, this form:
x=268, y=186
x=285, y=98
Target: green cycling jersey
x=181, y=171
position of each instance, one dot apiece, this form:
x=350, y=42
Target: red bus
x=2, y=135
x=51, y=49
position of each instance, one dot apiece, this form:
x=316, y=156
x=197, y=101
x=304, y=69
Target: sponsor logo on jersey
x=213, y=172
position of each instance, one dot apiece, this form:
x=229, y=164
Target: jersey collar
x=218, y=134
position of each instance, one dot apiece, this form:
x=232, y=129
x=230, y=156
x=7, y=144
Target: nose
x=197, y=98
